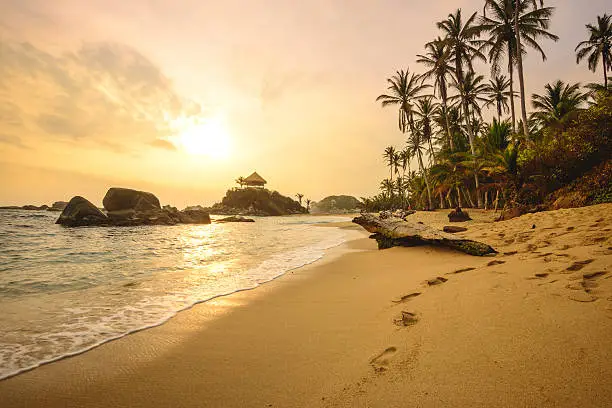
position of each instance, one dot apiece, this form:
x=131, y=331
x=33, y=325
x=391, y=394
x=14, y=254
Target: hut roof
x=255, y=178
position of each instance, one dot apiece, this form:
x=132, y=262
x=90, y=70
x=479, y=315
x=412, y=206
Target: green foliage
x=337, y=203
x=259, y=200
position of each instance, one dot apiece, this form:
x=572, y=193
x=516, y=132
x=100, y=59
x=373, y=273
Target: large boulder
x=194, y=217
x=80, y=212
x=119, y=199
x=35, y=207
x=457, y=215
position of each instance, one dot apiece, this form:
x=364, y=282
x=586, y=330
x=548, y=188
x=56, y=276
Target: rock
x=58, y=206
x=10, y=207
x=396, y=232
x=80, y=212
x=235, y=218
x=117, y=199
x=194, y=217
x=35, y=208
x=451, y=229
x=457, y=215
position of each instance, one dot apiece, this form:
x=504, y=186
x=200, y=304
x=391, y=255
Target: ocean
x=66, y=290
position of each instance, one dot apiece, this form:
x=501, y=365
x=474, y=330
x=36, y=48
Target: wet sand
x=402, y=327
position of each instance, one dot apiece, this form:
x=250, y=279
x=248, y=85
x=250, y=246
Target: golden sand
x=404, y=327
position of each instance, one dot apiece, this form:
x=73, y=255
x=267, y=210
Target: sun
x=209, y=138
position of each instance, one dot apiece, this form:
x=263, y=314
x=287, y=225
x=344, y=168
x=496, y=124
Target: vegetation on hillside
x=256, y=201
x=453, y=157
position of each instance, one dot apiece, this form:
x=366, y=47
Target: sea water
x=66, y=290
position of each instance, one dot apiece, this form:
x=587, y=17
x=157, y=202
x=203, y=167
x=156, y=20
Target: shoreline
x=331, y=334
x=164, y=320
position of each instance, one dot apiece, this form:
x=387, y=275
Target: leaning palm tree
x=299, y=196
x=405, y=161
x=438, y=59
x=499, y=93
x=403, y=88
x=598, y=46
x=415, y=145
x=463, y=39
x=389, y=156
x=558, y=101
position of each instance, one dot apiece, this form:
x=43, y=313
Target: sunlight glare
x=209, y=138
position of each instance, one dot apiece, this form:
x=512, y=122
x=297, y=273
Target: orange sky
x=103, y=93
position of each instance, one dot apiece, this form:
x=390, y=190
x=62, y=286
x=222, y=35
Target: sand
x=404, y=327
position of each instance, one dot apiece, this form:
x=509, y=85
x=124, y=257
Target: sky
x=180, y=98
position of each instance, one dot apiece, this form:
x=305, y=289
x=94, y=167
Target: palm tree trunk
x=603, y=60
x=486, y=200
x=496, y=199
x=519, y=60
x=468, y=197
x=511, y=71
x=443, y=94
x=426, y=181
x=448, y=198
x=459, y=201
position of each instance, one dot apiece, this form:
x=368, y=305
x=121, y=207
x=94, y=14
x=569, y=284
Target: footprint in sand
x=578, y=265
x=463, y=270
x=380, y=363
x=406, y=297
x=436, y=281
x=406, y=319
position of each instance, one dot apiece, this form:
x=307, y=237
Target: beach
x=420, y=326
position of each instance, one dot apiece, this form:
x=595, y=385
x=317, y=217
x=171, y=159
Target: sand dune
x=423, y=327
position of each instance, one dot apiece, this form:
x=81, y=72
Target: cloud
x=12, y=140
x=163, y=144
x=107, y=95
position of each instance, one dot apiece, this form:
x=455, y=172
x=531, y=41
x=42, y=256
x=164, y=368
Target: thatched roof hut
x=254, y=180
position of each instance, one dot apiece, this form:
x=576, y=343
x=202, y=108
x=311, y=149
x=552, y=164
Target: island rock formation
x=256, y=201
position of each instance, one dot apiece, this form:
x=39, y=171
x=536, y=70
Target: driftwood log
x=392, y=232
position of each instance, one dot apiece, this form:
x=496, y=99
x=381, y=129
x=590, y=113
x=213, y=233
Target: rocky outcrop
x=28, y=207
x=392, y=232
x=457, y=215
x=126, y=208
x=58, y=206
x=119, y=199
x=257, y=202
x=80, y=212
x=235, y=218
x=337, y=205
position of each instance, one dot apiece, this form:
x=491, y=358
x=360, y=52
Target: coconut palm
x=425, y=111
x=506, y=18
x=598, y=46
x=299, y=197
x=438, y=59
x=240, y=181
x=499, y=93
x=403, y=88
x=405, y=161
x=415, y=145
x=397, y=163
x=462, y=39
x=558, y=101
x=540, y=18
x=308, y=202
x=388, y=187
x=472, y=92
x=389, y=156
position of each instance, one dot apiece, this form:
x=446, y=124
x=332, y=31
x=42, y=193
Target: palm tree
x=240, y=181
x=403, y=88
x=438, y=59
x=405, y=161
x=541, y=22
x=472, y=92
x=299, y=197
x=598, y=46
x=558, y=101
x=463, y=40
x=507, y=18
x=389, y=156
x=499, y=92
x=387, y=186
x=425, y=111
x=308, y=202
x=415, y=145
x=397, y=163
